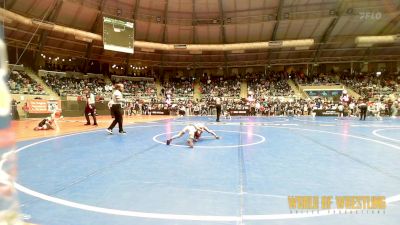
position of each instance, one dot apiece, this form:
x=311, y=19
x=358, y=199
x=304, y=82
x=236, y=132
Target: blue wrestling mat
x=245, y=177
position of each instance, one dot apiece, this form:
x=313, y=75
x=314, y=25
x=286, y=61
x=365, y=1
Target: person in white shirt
x=340, y=109
x=305, y=109
x=90, y=109
x=394, y=109
x=352, y=106
x=196, y=110
x=117, y=109
x=313, y=111
x=377, y=112
x=258, y=106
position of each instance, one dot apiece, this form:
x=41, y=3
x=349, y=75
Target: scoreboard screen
x=118, y=35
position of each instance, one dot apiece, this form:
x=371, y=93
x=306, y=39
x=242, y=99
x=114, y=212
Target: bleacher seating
x=19, y=82
x=218, y=86
x=179, y=88
x=267, y=85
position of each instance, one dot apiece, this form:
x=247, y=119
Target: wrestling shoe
x=168, y=141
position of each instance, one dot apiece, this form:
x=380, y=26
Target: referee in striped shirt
x=117, y=109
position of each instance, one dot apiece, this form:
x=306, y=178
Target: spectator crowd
x=269, y=94
x=20, y=83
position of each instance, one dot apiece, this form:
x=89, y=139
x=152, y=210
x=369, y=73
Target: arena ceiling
x=333, y=24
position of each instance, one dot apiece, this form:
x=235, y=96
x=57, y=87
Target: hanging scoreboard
x=118, y=35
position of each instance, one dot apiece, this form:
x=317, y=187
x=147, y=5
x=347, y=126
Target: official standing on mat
x=90, y=108
x=218, y=107
x=117, y=109
x=363, y=110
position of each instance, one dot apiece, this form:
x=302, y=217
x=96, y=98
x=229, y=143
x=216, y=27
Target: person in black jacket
x=14, y=109
x=363, y=109
x=218, y=102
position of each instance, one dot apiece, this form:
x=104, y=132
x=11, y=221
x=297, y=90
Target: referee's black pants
x=363, y=113
x=118, y=113
x=218, y=112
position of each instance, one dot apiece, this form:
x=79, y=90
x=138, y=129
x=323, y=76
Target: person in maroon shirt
x=90, y=108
